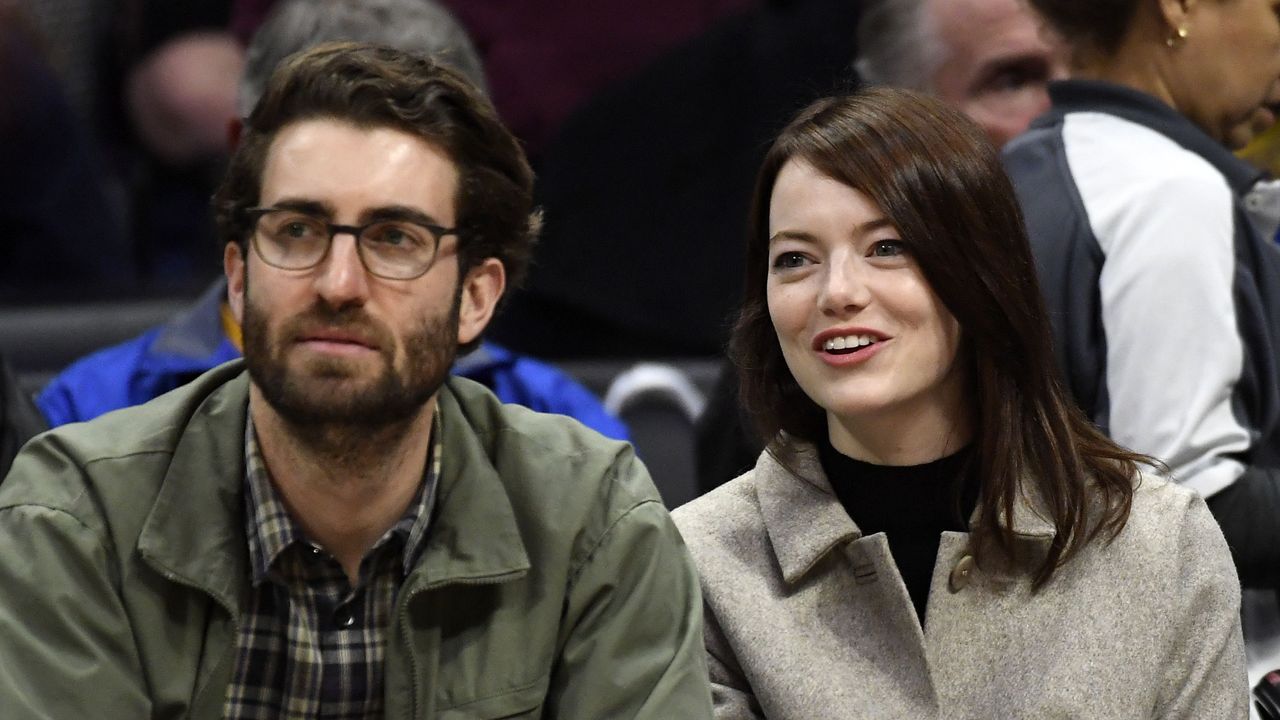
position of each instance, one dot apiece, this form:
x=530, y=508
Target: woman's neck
x=913, y=437
x=1141, y=61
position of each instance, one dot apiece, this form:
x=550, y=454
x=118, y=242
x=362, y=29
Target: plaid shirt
x=310, y=645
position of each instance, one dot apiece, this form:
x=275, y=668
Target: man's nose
x=342, y=278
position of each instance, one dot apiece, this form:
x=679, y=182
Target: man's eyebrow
x=321, y=209
x=398, y=212
x=305, y=206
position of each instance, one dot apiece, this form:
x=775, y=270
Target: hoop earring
x=1178, y=37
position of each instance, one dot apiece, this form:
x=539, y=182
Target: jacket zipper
x=403, y=622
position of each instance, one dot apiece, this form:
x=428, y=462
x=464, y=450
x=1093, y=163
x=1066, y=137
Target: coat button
x=962, y=573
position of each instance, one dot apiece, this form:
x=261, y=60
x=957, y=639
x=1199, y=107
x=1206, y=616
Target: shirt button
x=344, y=619
x=962, y=573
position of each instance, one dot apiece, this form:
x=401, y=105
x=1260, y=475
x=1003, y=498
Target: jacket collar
x=1096, y=96
x=474, y=536
x=804, y=520
x=195, y=532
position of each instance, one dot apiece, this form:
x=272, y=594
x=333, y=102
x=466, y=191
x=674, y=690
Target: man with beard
x=336, y=527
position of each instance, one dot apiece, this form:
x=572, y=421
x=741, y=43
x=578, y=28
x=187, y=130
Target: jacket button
x=961, y=574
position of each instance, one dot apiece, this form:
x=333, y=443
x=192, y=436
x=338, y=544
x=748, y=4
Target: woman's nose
x=844, y=287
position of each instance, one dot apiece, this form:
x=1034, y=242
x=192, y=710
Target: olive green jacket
x=553, y=583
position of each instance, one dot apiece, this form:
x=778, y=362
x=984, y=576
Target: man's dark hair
x=371, y=86
x=933, y=173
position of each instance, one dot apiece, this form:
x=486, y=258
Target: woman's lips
x=849, y=349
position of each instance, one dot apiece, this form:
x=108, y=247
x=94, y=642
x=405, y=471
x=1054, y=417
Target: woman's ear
x=1176, y=15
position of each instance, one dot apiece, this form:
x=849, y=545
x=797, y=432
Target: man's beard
x=320, y=393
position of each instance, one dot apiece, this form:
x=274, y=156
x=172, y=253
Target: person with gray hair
x=205, y=335
x=992, y=59
x=419, y=26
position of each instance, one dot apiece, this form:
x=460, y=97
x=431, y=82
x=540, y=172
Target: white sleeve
x=1166, y=225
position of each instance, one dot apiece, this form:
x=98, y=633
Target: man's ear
x=233, y=264
x=481, y=289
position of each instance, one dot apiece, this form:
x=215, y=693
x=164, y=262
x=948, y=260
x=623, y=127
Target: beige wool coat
x=807, y=619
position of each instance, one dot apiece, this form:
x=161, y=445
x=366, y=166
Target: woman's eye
x=888, y=248
x=789, y=260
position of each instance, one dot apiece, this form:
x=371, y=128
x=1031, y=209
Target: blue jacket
x=192, y=342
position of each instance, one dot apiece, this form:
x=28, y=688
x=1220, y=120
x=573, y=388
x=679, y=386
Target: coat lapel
x=801, y=514
x=805, y=520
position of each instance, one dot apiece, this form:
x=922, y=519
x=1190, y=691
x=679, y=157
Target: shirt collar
x=271, y=530
x=1135, y=106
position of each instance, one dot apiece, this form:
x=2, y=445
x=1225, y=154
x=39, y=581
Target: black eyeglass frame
x=438, y=233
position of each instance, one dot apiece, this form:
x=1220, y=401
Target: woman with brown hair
x=934, y=530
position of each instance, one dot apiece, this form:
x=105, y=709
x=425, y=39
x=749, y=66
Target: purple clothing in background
x=545, y=57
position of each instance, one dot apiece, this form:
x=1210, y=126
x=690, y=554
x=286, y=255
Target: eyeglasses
x=391, y=249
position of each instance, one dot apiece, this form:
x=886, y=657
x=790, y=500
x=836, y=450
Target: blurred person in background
x=174, y=69
x=19, y=419
x=60, y=236
x=207, y=334
x=652, y=176
x=544, y=59
x=992, y=59
x=1164, y=296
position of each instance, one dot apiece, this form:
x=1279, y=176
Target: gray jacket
x=806, y=619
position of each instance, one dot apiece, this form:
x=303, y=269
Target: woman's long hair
x=936, y=177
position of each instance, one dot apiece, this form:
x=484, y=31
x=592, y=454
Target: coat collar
x=804, y=520
x=1070, y=96
x=195, y=534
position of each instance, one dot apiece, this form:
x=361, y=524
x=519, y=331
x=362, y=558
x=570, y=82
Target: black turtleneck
x=912, y=505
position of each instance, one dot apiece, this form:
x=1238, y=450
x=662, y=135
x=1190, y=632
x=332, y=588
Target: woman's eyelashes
x=887, y=248
x=884, y=248
x=789, y=260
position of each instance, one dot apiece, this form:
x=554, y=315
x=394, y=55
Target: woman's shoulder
x=727, y=511
x=1159, y=502
x=1172, y=521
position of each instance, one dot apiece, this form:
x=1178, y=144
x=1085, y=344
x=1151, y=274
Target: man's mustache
x=350, y=323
